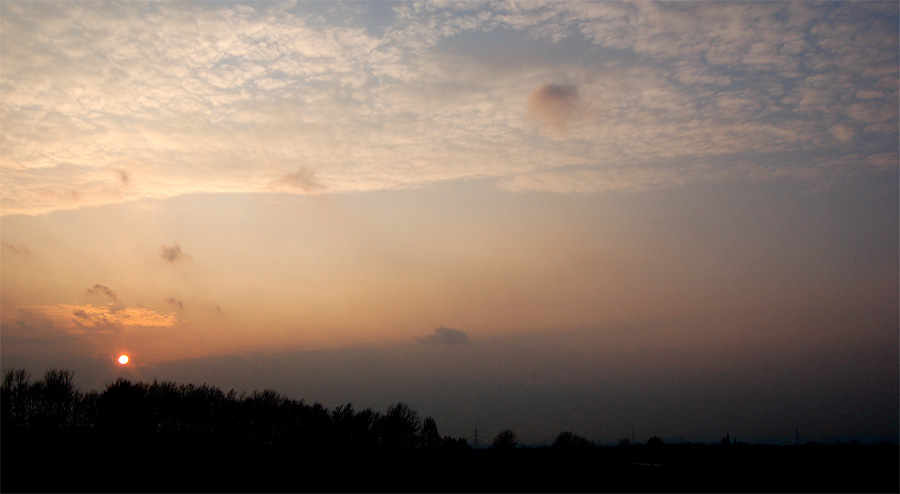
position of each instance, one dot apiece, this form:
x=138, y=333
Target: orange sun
x=123, y=359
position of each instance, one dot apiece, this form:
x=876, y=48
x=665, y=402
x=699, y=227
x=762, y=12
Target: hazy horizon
x=677, y=217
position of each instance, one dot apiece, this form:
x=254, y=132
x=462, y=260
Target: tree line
x=168, y=409
x=166, y=436
x=265, y=417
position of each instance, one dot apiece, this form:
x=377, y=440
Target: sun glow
x=123, y=359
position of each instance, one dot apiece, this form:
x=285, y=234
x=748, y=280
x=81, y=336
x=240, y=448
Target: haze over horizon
x=681, y=217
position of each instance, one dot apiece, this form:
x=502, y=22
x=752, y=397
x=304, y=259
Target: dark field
x=93, y=462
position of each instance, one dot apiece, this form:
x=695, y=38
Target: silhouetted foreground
x=167, y=437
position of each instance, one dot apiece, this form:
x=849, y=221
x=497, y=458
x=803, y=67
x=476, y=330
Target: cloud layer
x=90, y=318
x=119, y=101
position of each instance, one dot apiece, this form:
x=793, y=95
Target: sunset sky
x=679, y=217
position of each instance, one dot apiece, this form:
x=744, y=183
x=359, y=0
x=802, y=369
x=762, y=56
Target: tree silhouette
x=58, y=398
x=356, y=430
x=125, y=406
x=431, y=440
x=266, y=411
x=18, y=402
x=400, y=427
x=654, y=441
x=165, y=400
x=311, y=423
x=505, y=440
x=345, y=431
x=569, y=440
x=88, y=413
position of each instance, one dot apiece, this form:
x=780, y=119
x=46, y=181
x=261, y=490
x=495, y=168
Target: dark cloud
x=303, y=179
x=447, y=336
x=555, y=105
x=174, y=303
x=99, y=289
x=173, y=253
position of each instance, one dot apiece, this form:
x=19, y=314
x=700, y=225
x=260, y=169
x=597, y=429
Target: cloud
x=90, y=318
x=138, y=316
x=555, y=105
x=99, y=289
x=843, y=133
x=173, y=253
x=304, y=179
x=193, y=100
x=445, y=336
x=175, y=303
x=123, y=176
x=20, y=249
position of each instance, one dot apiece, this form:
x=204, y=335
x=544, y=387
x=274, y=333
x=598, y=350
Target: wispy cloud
x=174, y=303
x=19, y=249
x=99, y=289
x=303, y=179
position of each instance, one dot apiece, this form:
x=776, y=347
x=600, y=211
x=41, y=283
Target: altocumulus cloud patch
x=79, y=318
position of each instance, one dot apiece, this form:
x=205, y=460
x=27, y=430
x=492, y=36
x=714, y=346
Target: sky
x=677, y=218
